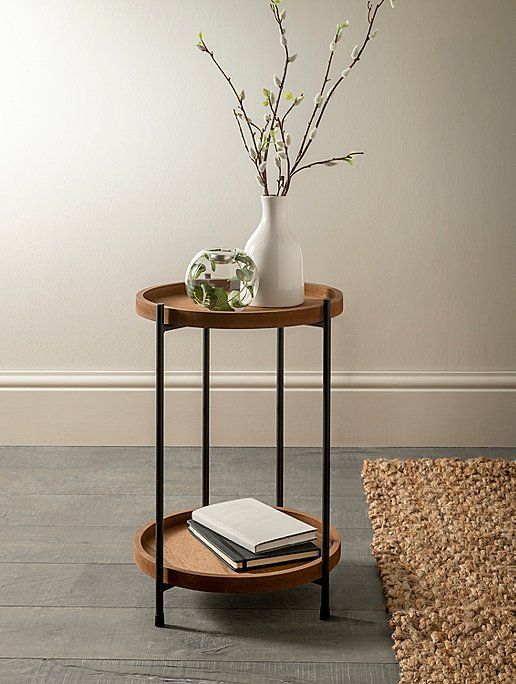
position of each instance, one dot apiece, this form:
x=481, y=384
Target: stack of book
x=248, y=534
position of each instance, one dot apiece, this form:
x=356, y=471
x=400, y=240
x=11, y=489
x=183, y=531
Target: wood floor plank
x=54, y=671
x=190, y=457
x=255, y=479
x=130, y=510
x=221, y=635
x=353, y=587
x=61, y=544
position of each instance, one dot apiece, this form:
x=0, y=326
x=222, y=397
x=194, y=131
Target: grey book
x=241, y=559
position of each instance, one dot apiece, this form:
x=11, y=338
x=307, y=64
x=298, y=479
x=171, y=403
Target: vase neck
x=274, y=209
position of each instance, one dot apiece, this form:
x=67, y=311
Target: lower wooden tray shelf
x=188, y=563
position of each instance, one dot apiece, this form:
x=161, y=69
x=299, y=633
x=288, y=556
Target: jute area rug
x=443, y=542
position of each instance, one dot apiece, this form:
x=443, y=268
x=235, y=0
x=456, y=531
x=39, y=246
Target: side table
x=164, y=549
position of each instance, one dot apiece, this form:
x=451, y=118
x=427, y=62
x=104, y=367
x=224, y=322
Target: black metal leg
x=325, y=551
x=280, y=367
x=159, y=619
x=206, y=417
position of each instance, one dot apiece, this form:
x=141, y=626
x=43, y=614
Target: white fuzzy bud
x=288, y=139
x=277, y=81
x=374, y=33
x=293, y=57
x=283, y=40
x=252, y=154
x=267, y=118
x=283, y=14
x=277, y=161
x=272, y=98
x=312, y=133
x=393, y=4
x=201, y=47
x=332, y=46
x=262, y=166
x=259, y=180
x=242, y=95
x=331, y=163
x=280, y=145
x=346, y=72
x=318, y=99
x=282, y=155
x=354, y=52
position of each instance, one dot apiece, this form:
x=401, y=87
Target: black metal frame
x=161, y=329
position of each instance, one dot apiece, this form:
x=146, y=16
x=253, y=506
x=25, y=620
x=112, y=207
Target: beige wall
x=120, y=160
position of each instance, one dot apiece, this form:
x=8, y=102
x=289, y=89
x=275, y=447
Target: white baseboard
x=369, y=408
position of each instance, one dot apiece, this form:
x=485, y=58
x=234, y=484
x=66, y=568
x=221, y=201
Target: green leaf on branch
x=244, y=274
x=209, y=258
x=219, y=300
x=234, y=300
x=207, y=289
x=199, y=269
x=197, y=293
x=242, y=258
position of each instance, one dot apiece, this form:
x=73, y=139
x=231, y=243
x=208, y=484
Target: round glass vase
x=222, y=279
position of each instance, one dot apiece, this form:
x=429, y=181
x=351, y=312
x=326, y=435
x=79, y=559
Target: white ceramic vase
x=277, y=254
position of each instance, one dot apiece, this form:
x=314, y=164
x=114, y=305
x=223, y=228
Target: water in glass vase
x=222, y=279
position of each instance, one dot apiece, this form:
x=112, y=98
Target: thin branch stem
x=275, y=107
x=288, y=111
x=325, y=161
x=281, y=177
x=287, y=175
x=240, y=100
x=237, y=118
x=326, y=79
x=279, y=21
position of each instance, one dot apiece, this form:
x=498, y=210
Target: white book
x=254, y=525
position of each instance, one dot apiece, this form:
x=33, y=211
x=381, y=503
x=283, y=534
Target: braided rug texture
x=443, y=541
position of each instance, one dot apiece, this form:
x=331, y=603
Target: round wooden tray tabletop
x=188, y=563
x=181, y=311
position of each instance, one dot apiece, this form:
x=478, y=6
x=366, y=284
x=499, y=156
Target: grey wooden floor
x=74, y=609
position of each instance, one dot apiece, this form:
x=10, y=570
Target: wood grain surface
x=189, y=564
x=181, y=311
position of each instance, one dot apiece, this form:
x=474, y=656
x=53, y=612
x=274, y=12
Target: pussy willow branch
x=274, y=109
x=287, y=175
x=281, y=124
x=281, y=176
x=326, y=78
x=325, y=161
x=287, y=112
x=371, y=16
x=260, y=150
x=237, y=118
x=247, y=118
